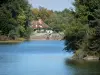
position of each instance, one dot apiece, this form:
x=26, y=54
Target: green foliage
x=83, y=30
x=27, y=33
x=75, y=33
x=13, y=34
x=41, y=13
x=14, y=17
x=56, y=20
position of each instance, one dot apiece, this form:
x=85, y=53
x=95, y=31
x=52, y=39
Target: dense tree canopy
x=83, y=32
x=14, y=17
x=42, y=13
x=58, y=20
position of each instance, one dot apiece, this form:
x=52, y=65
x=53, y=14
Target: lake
x=42, y=58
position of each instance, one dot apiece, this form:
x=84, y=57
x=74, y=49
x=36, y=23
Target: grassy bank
x=19, y=40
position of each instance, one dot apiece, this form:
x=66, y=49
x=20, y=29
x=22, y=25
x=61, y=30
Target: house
x=39, y=24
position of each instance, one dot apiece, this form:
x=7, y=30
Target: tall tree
x=15, y=17
x=83, y=32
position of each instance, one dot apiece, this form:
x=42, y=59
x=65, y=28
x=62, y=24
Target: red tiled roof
x=39, y=24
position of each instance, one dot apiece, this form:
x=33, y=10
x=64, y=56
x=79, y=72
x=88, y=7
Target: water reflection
x=82, y=67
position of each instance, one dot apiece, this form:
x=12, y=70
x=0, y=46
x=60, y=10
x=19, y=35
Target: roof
x=39, y=24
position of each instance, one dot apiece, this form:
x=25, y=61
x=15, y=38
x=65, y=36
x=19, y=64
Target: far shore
x=19, y=40
x=44, y=39
x=10, y=41
x=46, y=36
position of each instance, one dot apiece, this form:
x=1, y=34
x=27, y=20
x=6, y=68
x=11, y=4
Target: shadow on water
x=82, y=67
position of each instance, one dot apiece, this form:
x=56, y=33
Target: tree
x=15, y=16
x=83, y=32
x=42, y=13
x=58, y=20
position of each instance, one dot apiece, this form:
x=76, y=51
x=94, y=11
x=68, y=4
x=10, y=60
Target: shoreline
x=44, y=39
x=19, y=40
x=10, y=41
x=87, y=58
x=46, y=36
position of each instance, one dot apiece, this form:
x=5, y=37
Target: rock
x=3, y=38
x=91, y=58
x=46, y=36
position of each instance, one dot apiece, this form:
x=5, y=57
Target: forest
x=14, y=19
x=83, y=31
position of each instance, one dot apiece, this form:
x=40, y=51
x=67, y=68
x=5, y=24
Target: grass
x=19, y=40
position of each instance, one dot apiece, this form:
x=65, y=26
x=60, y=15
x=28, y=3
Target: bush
x=13, y=34
x=74, y=35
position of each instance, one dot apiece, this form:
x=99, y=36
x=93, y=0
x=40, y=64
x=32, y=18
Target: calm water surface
x=42, y=58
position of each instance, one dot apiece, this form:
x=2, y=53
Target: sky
x=56, y=5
